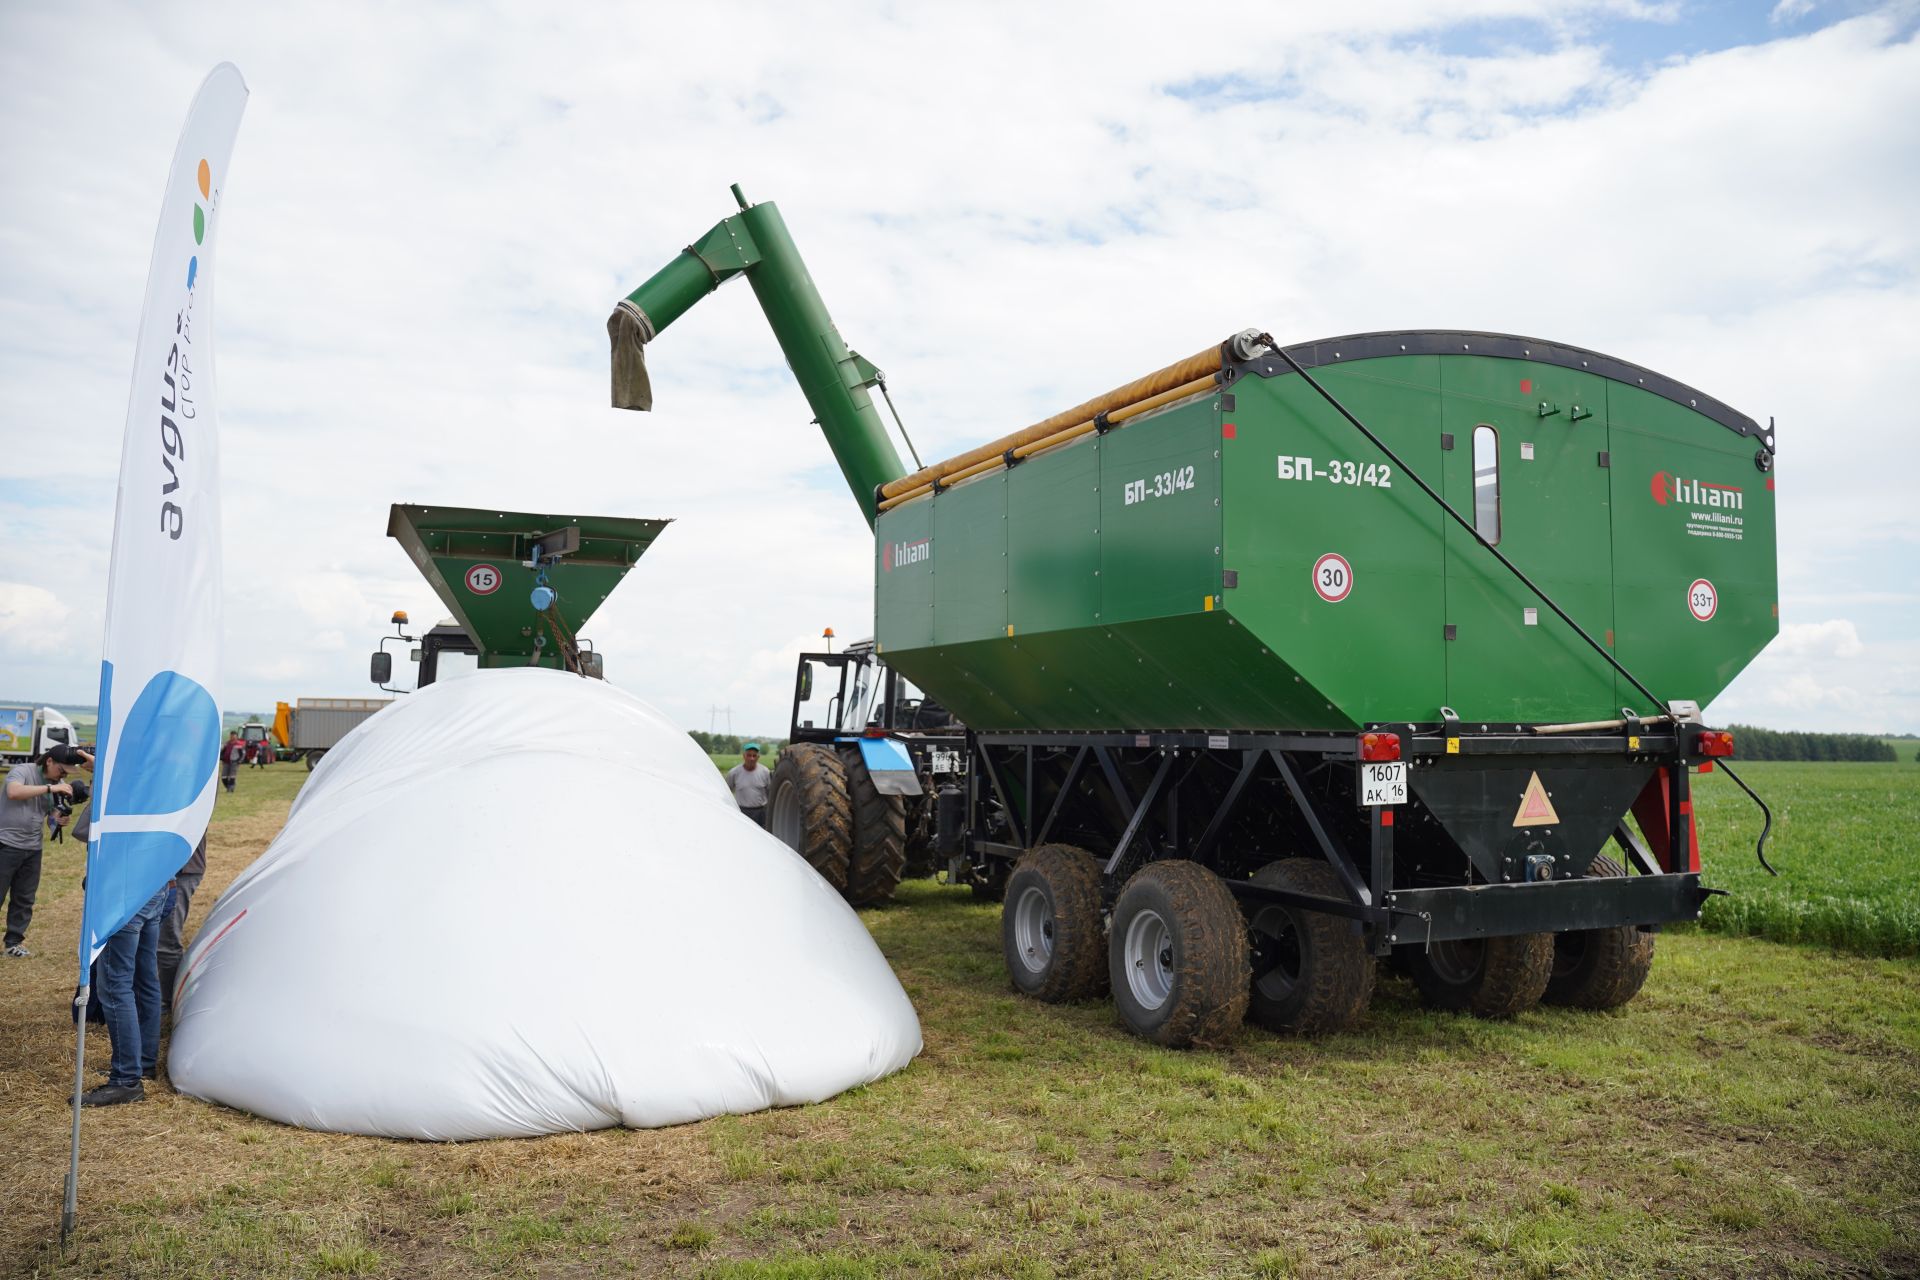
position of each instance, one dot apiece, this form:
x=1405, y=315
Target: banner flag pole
x=159, y=717
x=70, y=1205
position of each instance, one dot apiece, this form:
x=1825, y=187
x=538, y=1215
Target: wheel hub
x=1033, y=929
x=1277, y=959
x=1148, y=956
x=1458, y=960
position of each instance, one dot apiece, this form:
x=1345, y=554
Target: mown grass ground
x=1755, y=1112
x=1846, y=842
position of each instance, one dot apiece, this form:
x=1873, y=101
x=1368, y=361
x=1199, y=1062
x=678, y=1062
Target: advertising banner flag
x=159, y=730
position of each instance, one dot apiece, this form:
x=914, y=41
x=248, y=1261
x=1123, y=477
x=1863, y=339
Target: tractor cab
x=853, y=693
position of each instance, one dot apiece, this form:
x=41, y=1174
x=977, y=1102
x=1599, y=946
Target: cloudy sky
x=1008, y=207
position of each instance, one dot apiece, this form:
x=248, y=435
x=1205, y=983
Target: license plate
x=946, y=762
x=1384, y=783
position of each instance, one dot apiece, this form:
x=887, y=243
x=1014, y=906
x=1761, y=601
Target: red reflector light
x=1715, y=742
x=1379, y=746
x=875, y=731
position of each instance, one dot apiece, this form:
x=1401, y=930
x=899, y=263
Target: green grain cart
x=1284, y=658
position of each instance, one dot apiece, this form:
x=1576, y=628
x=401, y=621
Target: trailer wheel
x=312, y=758
x=1599, y=968
x=879, y=851
x=1312, y=974
x=810, y=811
x=1487, y=977
x=1050, y=927
x=1177, y=956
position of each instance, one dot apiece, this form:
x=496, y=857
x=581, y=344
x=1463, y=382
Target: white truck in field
x=26, y=731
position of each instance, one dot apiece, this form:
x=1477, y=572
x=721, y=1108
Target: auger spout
x=755, y=243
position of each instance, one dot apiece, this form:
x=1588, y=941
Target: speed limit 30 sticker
x=1332, y=578
x=483, y=579
x=1702, y=600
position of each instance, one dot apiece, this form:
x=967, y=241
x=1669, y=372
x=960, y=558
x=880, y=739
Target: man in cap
x=751, y=783
x=30, y=803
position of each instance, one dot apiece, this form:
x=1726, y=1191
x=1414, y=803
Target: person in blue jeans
x=130, y=997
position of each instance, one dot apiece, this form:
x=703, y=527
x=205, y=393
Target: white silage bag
x=521, y=903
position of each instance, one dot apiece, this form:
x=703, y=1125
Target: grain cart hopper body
x=1392, y=629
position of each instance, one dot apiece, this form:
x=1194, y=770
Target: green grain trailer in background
x=1282, y=658
x=519, y=585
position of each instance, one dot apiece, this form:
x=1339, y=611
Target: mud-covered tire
x=1050, y=932
x=809, y=810
x=1312, y=974
x=1487, y=977
x=1599, y=968
x=1177, y=956
x=879, y=852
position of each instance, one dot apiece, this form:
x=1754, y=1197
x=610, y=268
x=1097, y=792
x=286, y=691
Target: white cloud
x=33, y=621
x=1006, y=208
x=1835, y=638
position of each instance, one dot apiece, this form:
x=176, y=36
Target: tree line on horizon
x=728, y=744
x=1753, y=743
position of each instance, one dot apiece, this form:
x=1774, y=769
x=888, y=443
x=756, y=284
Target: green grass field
x=1846, y=841
x=1756, y=1111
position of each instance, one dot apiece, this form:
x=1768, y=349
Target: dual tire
x=1174, y=954
x=1501, y=977
x=1185, y=965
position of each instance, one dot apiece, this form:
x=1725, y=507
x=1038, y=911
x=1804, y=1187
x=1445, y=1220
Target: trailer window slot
x=1486, y=484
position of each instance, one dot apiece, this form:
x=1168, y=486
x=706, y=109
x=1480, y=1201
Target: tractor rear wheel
x=879, y=851
x=810, y=811
x=1050, y=926
x=1177, y=956
x=1312, y=974
x=1487, y=977
x=1600, y=968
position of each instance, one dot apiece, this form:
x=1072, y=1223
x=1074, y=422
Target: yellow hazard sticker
x=1453, y=746
x=1633, y=743
x=1536, y=806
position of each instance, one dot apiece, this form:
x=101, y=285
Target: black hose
x=1760, y=848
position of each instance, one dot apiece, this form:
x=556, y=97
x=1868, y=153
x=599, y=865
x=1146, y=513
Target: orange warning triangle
x=1536, y=810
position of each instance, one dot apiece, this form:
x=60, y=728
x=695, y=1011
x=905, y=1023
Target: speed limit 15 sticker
x=1332, y=577
x=483, y=579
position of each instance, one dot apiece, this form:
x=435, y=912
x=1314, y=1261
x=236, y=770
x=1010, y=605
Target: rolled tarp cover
x=1179, y=373
x=523, y=902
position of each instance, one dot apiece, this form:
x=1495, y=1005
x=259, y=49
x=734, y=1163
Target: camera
x=63, y=805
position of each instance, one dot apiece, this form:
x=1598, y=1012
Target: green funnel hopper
x=478, y=561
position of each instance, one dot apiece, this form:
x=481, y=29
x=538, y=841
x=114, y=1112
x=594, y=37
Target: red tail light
x=1380, y=746
x=875, y=731
x=1715, y=742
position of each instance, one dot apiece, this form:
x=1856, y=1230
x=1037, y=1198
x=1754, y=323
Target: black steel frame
x=1002, y=793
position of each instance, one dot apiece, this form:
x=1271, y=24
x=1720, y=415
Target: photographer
x=36, y=794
